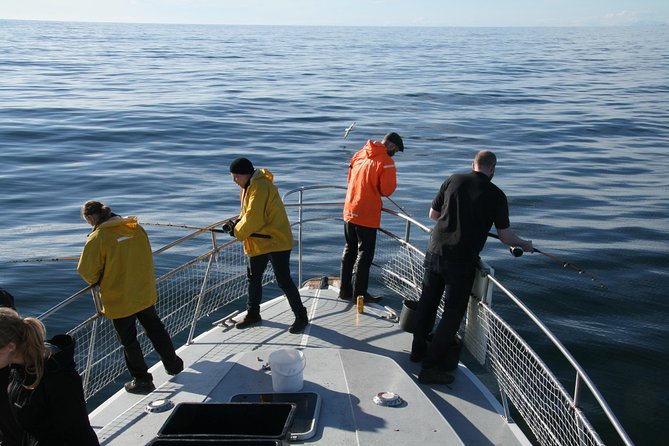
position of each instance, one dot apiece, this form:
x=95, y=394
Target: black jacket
x=54, y=413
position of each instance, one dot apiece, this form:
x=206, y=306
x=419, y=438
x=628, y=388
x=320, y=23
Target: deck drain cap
x=158, y=406
x=387, y=399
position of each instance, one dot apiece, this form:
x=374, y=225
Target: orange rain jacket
x=371, y=175
x=117, y=256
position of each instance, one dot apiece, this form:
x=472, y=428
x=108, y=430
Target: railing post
x=89, y=357
x=577, y=403
x=299, y=238
x=407, y=231
x=200, y=296
x=577, y=390
x=97, y=300
x=505, y=405
x=213, y=239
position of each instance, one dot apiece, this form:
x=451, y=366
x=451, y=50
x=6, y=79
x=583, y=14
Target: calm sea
x=147, y=118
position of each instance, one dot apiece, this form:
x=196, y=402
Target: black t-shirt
x=469, y=204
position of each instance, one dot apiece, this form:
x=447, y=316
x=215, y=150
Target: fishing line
x=76, y=259
x=517, y=252
x=39, y=259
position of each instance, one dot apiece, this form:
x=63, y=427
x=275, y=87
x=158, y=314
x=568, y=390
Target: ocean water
x=147, y=118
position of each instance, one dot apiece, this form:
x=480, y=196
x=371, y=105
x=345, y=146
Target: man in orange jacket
x=371, y=175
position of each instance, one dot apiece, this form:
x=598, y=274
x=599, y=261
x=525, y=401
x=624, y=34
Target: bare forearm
x=508, y=237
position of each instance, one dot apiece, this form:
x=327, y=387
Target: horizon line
x=111, y=22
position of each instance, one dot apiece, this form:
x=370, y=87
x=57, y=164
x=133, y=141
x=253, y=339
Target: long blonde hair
x=28, y=335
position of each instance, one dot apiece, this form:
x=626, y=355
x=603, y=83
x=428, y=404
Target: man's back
x=469, y=204
x=371, y=175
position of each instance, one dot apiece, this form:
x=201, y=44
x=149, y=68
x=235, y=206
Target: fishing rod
x=517, y=251
x=399, y=207
x=346, y=132
x=181, y=226
x=226, y=228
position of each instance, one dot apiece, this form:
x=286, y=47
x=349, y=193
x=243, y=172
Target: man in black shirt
x=465, y=208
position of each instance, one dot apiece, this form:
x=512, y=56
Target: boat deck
x=350, y=357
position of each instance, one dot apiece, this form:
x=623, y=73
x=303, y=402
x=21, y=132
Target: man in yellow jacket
x=117, y=257
x=264, y=228
x=371, y=175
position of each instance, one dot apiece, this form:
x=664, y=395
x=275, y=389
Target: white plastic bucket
x=287, y=366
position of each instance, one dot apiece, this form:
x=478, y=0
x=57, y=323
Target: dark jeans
x=281, y=265
x=360, y=246
x=155, y=330
x=456, y=278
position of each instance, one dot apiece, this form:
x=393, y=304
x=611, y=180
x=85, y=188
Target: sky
x=347, y=12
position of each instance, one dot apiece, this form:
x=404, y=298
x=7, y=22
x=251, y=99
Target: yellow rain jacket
x=371, y=175
x=263, y=213
x=117, y=256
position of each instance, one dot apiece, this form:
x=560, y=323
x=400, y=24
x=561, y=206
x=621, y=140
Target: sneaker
x=175, y=368
x=434, y=375
x=140, y=386
x=249, y=319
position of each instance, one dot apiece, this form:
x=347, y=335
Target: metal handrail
x=581, y=375
x=301, y=221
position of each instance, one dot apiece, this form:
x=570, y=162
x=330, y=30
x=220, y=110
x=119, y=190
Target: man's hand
x=229, y=227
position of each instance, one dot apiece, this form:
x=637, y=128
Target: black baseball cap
x=395, y=139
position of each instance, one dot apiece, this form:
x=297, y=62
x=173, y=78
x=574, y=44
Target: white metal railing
x=518, y=386
x=196, y=285
x=552, y=414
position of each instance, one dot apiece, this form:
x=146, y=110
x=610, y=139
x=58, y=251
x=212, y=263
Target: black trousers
x=126, y=329
x=281, y=265
x=456, y=278
x=360, y=246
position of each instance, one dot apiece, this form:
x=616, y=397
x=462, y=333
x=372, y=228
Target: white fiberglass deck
x=350, y=358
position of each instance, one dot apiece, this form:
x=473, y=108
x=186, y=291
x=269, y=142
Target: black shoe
x=300, y=323
x=434, y=375
x=140, y=386
x=345, y=296
x=176, y=367
x=369, y=299
x=417, y=356
x=249, y=319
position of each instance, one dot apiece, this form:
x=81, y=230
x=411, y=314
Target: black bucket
x=409, y=315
